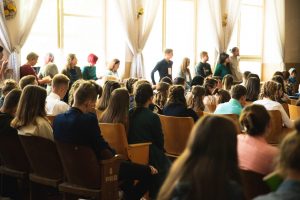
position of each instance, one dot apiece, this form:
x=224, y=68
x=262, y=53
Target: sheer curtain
x=224, y=14
x=137, y=29
x=14, y=32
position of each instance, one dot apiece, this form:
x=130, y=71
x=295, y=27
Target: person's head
x=11, y=102
x=289, y=156
x=143, y=95
x=60, y=85
x=139, y=82
x=269, y=90
x=74, y=87
x=286, y=75
x=224, y=58
x=253, y=89
x=245, y=76
x=293, y=72
x=8, y=86
x=108, y=88
x=129, y=84
x=49, y=57
x=71, y=61
x=32, y=58
x=176, y=95
x=195, y=100
x=222, y=96
x=27, y=80
x=85, y=96
x=235, y=51
x=207, y=163
x=168, y=54
x=166, y=79
x=179, y=81
x=118, y=108
x=219, y=81
x=238, y=92
x=255, y=120
x=227, y=82
x=92, y=59
x=210, y=85
x=279, y=79
x=114, y=65
x=185, y=64
x=1, y=52
x=161, y=96
x=197, y=80
x=31, y=105
x=204, y=56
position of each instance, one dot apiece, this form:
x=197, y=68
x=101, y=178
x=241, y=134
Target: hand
x=153, y=170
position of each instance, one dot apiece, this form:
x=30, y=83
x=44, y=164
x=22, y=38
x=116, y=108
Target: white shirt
x=273, y=105
x=41, y=128
x=54, y=105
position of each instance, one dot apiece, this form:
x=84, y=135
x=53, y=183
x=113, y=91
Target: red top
x=27, y=70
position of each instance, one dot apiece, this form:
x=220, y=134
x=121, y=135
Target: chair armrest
x=139, y=153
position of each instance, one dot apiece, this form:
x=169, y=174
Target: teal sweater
x=221, y=70
x=89, y=73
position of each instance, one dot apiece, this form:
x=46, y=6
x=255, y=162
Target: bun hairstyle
x=290, y=151
x=255, y=119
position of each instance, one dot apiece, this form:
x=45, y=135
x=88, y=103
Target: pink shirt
x=255, y=154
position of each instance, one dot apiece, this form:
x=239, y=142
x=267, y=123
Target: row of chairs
x=72, y=170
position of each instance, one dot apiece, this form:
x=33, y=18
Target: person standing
x=164, y=67
x=203, y=68
x=234, y=67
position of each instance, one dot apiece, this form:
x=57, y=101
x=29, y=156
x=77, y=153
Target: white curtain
x=224, y=15
x=14, y=32
x=137, y=29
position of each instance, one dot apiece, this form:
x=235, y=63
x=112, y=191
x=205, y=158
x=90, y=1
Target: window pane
x=180, y=31
x=253, y=2
x=251, y=30
x=83, y=7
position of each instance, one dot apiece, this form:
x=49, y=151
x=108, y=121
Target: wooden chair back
x=275, y=134
x=293, y=102
x=51, y=119
x=200, y=114
x=286, y=108
x=294, y=112
x=253, y=184
x=235, y=118
x=212, y=107
x=176, y=133
x=43, y=157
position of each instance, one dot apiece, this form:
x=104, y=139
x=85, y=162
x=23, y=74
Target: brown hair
x=160, y=98
x=72, y=90
x=195, y=101
x=269, y=90
x=227, y=82
x=118, y=108
x=206, y=164
x=203, y=53
x=113, y=63
x=31, y=105
x=87, y=90
x=238, y=91
x=176, y=95
x=70, y=57
x=129, y=84
x=9, y=85
x=168, y=51
x=31, y=56
x=26, y=80
x=253, y=88
x=224, y=95
x=108, y=88
x=255, y=119
x=184, y=65
x=11, y=101
x=59, y=80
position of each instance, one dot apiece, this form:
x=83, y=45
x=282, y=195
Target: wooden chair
x=115, y=135
x=98, y=113
x=253, y=184
x=45, y=163
x=200, y=114
x=176, y=133
x=293, y=101
x=51, y=119
x=294, y=112
x=15, y=164
x=286, y=108
x=212, y=107
x=235, y=118
x=86, y=177
x=277, y=132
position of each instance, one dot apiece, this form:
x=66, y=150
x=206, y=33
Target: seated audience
x=221, y=96
x=179, y=81
x=176, y=104
x=30, y=118
x=89, y=72
x=293, y=79
x=113, y=69
x=288, y=166
x=223, y=67
x=203, y=68
x=255, y=154
x=8, y=111
x=160, y=98
x=209, y=100
x=227, y=82
x=288, y=86
x=268, y=96
x=283, y=97
x=185, y=71
x=108, y=88
x=54, y=103
x=208, y=167
x=9, y=85
x=236, y=103
x=48, y=70
x=253, y=89
x=129, y=86
x=195, y=100
x=145, y=126
x=245, y=77
x=74, y=87
x=27, y=69
x=197, y=80
x=278, y=73
x=167, y=79
x=27, y=80
x=219, y=81
x=79, y=125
